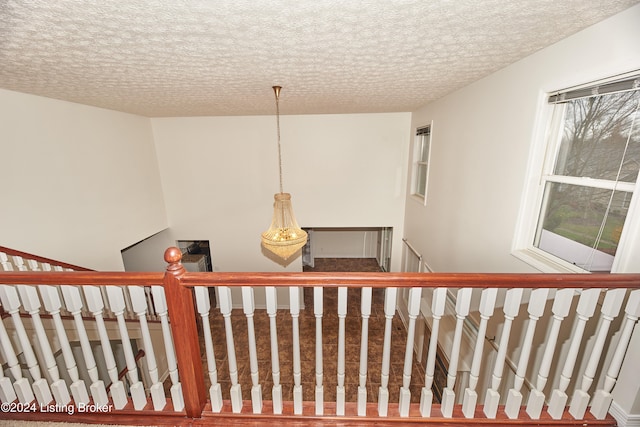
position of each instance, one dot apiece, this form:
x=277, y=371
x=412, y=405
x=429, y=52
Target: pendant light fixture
x=284, y=238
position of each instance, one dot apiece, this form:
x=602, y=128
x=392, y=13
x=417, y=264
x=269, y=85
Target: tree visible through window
x=591, y=179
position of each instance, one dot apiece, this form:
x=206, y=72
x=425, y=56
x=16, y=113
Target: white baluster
x=256, y=389
x=33, y=265
x=537, y=303
x=342, y=315
x=52, y=303
x=560, y=310
x=463, y=301
x=162, y=312
x=225, y=308
x=73, y=302
x=151, y=310
x=139, y=306
x=63, y=307
x=438, y=303
x=294, y=303
x=365, y=308
x=487, y=305
x=203, y=305
x=586, y=307
x=272, y=310
x=414, y=310
x=21, y=385
x=7, y=393
x=31, y=303
x=318, y=311
x=4, y=262
x=18, y=261
x=610, y=309
x=510, y=309
x=95, y=304
x=602, y=398
x=11, y=303
x=390, y=296
x=136, y=388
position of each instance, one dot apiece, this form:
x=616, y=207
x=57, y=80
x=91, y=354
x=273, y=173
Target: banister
x=40, y=259
x=184, y=329
x=82, y=278
x=177, y=284
x=410, y=280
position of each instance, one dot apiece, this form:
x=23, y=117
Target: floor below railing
x=393, y=419
x=307, y=351
x=247, y=419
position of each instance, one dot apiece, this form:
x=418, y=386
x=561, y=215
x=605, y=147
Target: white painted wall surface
x=148, y=255
x=345, y=243
x=219, y=175
x=79, y=183
x=481, y=141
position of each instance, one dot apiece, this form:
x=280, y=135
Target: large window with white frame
x=589, y=178
x=421, y=152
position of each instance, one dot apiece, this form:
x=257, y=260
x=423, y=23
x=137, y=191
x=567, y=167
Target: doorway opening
x=346, y=244
x=196, y=255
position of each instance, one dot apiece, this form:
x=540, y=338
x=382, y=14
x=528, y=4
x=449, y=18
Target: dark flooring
x=307, y=325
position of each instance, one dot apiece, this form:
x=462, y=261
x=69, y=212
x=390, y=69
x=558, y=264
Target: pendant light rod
x=276, y=91
x=284, y=238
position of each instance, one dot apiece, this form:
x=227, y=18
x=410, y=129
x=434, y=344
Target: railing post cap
x=173, y=255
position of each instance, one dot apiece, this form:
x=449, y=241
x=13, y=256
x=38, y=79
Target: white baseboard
x=624, y=419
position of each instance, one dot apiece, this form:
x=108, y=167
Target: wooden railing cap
x=172, y=255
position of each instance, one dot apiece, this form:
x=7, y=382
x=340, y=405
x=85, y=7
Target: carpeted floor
x=307, y=335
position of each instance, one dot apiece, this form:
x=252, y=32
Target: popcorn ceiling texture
x=203, y=57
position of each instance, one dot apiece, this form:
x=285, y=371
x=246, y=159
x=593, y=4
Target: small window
x=589, y=176
x=421, y=152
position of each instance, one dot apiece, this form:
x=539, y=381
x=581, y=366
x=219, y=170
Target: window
x=589, y=176
x=421, y=151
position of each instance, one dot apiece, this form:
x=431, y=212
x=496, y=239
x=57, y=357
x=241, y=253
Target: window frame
x=540, y=171
x=418, y=149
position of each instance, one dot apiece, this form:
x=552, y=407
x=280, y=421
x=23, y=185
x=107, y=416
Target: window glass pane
x=421, y=177
x=571, y=224
x=424, y=155
x=595, y=134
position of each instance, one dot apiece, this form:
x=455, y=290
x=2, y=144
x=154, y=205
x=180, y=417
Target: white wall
x=481, y=141
x=219, y=175
x=148, y=255
x=350, y=243
x=79, y=183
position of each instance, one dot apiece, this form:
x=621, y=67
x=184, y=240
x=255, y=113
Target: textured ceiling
x=220, y=57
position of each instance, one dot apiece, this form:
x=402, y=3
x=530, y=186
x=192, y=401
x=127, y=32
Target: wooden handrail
x=330, y=280
x=410, y=280
x=40, y=259
x=82, y=278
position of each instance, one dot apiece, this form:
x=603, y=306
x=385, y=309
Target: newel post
x=185, y=335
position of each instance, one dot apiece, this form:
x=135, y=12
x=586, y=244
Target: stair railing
x=582, y=303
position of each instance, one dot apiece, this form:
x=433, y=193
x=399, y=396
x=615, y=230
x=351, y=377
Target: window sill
x=545, y=263
x=420, y=199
